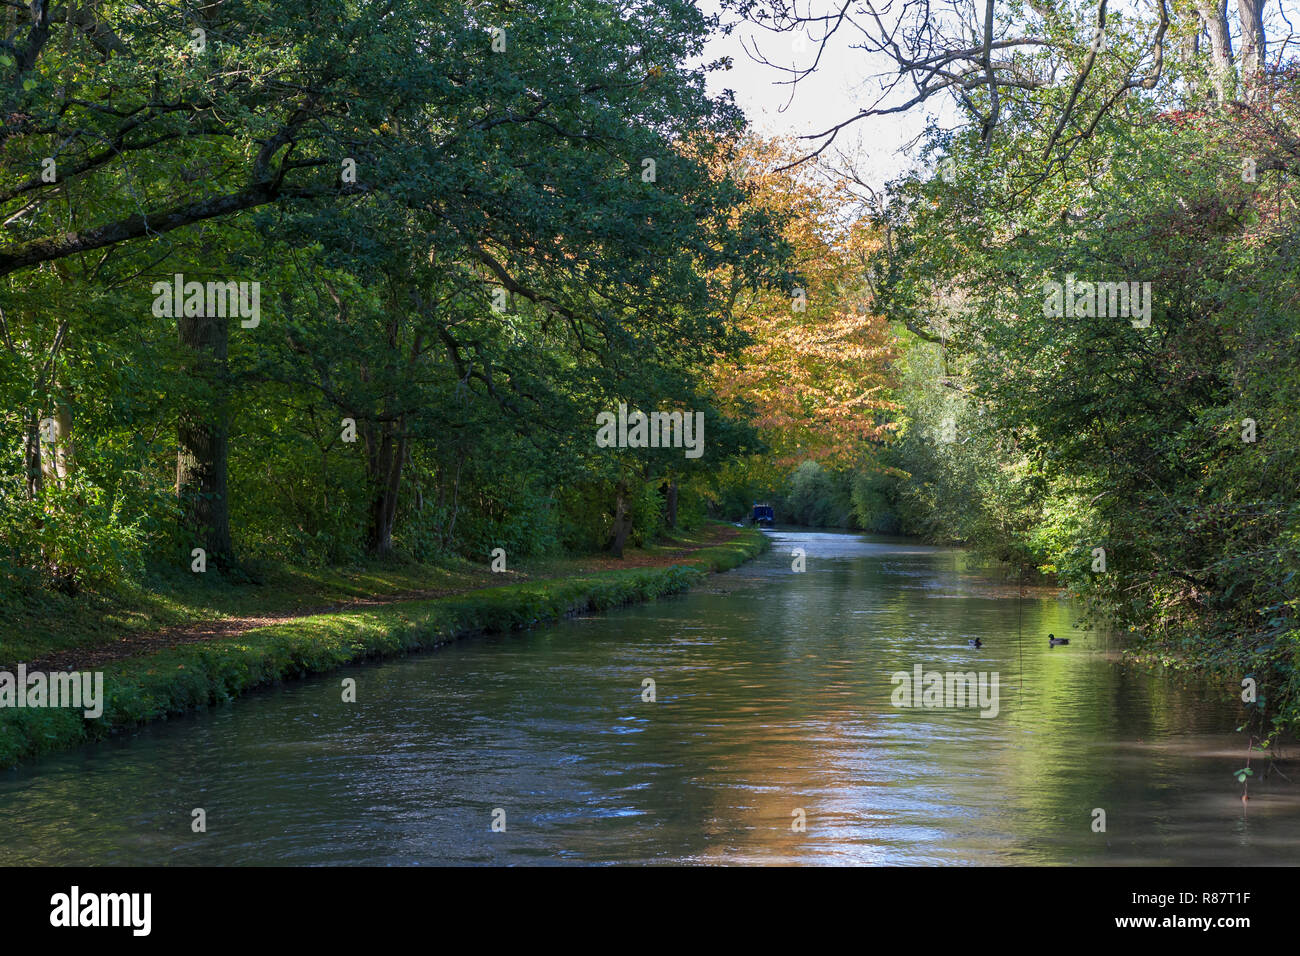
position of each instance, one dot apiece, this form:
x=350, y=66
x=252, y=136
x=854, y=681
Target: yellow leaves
x=816, y=378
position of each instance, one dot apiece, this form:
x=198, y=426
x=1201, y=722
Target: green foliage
x=872, y=494
x=480, y=175
x=72, y=536
x=816, y=498
x=1090, y=429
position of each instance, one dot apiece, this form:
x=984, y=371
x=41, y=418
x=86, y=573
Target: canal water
x=773, y=737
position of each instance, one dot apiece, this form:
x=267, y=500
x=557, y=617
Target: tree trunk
x=1253, y=42
x=32, y=456
x=57, y=464
x=385, y=454
x=203, y=438
x=1214, y=15
x=455, y=506
x=622, y=521
x=671, y=517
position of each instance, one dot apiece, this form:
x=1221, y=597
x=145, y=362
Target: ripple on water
x=773, y=695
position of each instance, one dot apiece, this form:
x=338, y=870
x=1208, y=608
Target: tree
x=517, y=138
x=815, y=377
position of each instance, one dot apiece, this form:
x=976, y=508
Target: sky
x=843, y=84
x=840, y=87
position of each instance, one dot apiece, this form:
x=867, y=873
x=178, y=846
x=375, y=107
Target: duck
x=975, y=642
x=1054, y=641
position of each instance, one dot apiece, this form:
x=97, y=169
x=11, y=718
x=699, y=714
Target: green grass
x=195, y=675
x=47, y=623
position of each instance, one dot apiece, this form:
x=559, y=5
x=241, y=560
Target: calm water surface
x=773, y=694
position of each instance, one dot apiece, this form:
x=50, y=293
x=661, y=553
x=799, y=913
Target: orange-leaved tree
x=817, y=376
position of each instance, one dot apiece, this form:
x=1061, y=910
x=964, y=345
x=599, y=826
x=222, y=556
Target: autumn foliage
x=817, y=375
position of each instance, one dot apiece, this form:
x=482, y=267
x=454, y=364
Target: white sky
x=843, y=85
x=840, y=87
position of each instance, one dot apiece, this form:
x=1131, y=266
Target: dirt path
x=138, y=645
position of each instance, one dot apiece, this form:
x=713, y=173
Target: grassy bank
x=41, y=625
x=188, y=676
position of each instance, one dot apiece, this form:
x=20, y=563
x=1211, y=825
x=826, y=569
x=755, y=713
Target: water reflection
x=773, y=695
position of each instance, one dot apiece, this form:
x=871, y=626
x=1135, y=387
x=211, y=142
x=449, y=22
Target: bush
x=72, y=536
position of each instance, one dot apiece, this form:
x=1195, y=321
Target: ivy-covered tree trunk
x=203, y=436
